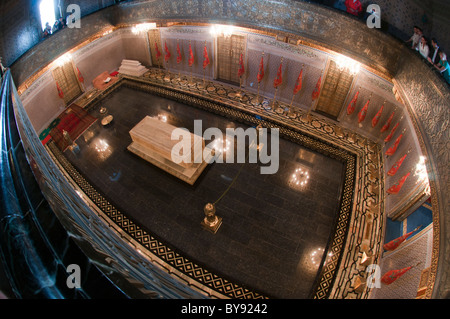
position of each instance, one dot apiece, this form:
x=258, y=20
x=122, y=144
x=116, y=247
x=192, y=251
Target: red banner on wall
x=391, y=150
x=393, y=244
x=388, y=138
x=178, y=53
x=60, y=92
x=298, y=84
x=191, y=56
x=261, y=70
x=362, y=114
x=388, y=123
x=352, y=105
x=279, y=79
x=241, y=70
x=158, y=54
x=396, y=166
x=376, y=118
x=316, y=92
x=206, y=57
x=394, y=189
x=392, y=275
x=80, y=77
x=167, y=56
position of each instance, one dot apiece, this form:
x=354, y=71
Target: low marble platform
x=132, y=67
x=152, y=142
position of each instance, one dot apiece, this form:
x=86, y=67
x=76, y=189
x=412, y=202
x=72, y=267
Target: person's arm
x=426, y=52
x=410, y=39
x=440, y=67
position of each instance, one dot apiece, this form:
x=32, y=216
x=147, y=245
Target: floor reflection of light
x=317, y=255
x=220, y=145
x=162, y=118
x=299, y=178
x=88, y=135
x=115, y=176
x=102, y=148
x=313, y=259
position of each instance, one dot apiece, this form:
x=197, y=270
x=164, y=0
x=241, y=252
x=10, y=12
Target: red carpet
x=74, y=120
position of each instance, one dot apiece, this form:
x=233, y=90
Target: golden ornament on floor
x=211, y=222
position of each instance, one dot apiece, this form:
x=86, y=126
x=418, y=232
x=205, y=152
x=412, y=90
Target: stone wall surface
x=429, y=101
x=302, y=20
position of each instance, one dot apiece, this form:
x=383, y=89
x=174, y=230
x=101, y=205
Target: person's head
x=442, y=55
x=423, y=40
x=434, y=42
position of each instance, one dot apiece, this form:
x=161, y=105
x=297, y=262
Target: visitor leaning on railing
x=427, y=50
x=437, y=60
x=443, y=66
x=434, y=55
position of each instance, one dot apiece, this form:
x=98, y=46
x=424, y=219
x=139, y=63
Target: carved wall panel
x=335, y=88
x=229, y=50
x=154, y=44
x=67, y=82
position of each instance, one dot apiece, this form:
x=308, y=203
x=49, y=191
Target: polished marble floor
x=272, y=232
